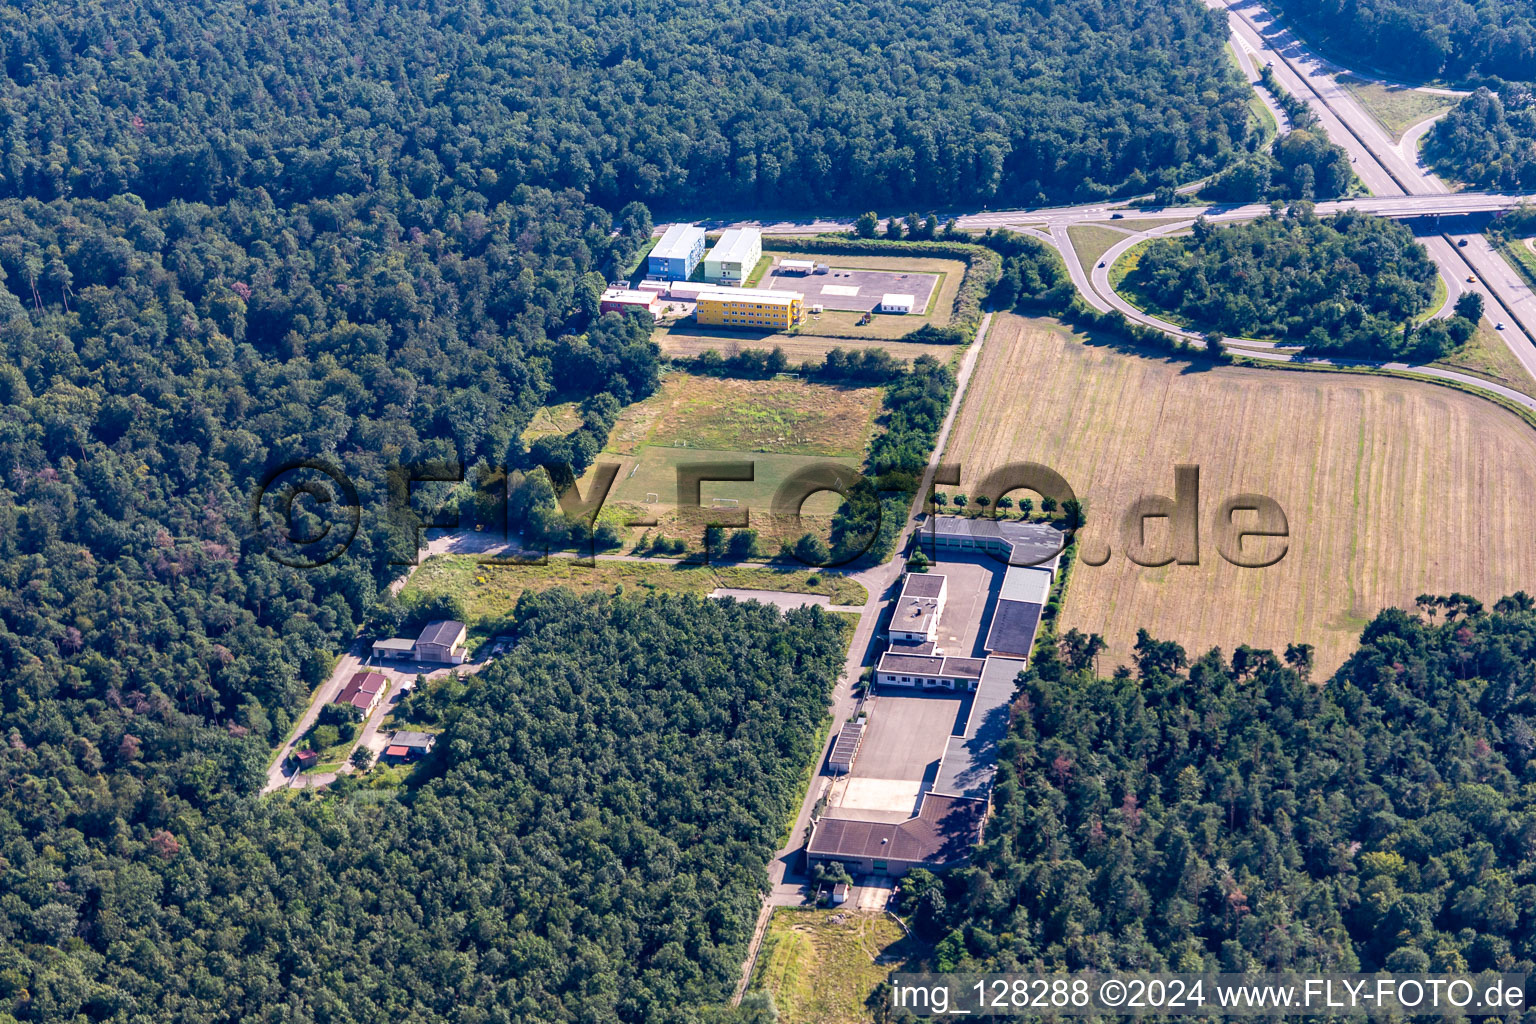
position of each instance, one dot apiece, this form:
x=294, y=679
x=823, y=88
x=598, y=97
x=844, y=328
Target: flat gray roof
x=931, y=665
x=394, y=643
x=970, y=760
x=1026, y=583
x=923, y=584
x=1030, y=543
x=1014, y=625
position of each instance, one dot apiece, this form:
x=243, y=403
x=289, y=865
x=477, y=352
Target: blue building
x=679, y=251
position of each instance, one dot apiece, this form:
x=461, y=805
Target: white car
x=1499, y=326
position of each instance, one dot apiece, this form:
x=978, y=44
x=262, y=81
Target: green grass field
x=790, y=417
x=653, y=471
x=1092, y=241
x=822, y=965
x=490, y=592
x=1396, y=108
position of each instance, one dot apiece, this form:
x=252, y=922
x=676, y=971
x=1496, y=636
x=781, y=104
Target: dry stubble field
x=1392, y=488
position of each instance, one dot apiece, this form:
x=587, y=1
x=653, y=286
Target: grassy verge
x=490, y=592
x=1092, y=241
x=1487, y=356
x=821, y=966
x=807, y=775
x=1395, y=108
x=756, y=276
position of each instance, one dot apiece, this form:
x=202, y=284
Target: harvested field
x=1392, y=488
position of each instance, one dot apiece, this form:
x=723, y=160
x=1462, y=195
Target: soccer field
x=1392, y=488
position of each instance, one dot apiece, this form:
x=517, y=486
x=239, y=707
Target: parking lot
x=850, y=289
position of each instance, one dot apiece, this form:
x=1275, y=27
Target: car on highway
x=1499, y=326
x=1471, y=280
x=1117, y=216
x=1461, y=244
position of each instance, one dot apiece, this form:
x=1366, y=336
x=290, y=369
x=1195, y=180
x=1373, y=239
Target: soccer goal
x=651, y=497
x=725, y=502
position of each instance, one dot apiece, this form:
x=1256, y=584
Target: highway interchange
x=1447, y=223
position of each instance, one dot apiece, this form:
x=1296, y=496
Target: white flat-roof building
x=677, y=253
x=797, y=266
x=897, y=302
x=918, y=609
x=733, y=257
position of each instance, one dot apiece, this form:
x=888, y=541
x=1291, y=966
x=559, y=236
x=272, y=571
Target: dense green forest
x=1426, y=39
x=1301, y=165
x=586, y=843
x=1488, y=140
x=1347, y=284
x=1229, y=813
x=674, y=104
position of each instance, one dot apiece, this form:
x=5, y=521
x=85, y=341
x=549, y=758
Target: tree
x=1469, y=306
x=868, y=225
x=961, y=501
x=743, y=544
x=982, y=501
x=1213, y=343
x=362, y=759
x=1005, y=502
x=1048, y=504
x=1073, y=516
x=1026, y=506
x=811, y=550
x=893, y=229
x=940, y=499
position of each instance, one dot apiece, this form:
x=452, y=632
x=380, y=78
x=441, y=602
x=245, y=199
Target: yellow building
x=750, y=308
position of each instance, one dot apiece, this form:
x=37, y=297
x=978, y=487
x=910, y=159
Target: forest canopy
x=671, y=103
x=1455, y=40
x=1229, y=814
x=586, y=843
x=1488, y=140
x=1350, y=283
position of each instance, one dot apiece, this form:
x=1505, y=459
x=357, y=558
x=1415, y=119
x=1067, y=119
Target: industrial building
x=1016, y=618
x=734, y=257
x=916, y=619
x=939, y=836
x=441, y=640
x=759, y=308
x=680, y=249
x=930, y=671
x=622, y=300
x=1013, y=541
x=897, y=303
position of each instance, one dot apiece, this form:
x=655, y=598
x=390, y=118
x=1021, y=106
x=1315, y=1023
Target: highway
x=1447, y=223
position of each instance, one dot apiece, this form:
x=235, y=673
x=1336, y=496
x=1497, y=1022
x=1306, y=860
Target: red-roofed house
x=362, y=692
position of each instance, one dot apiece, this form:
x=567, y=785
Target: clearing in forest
x=1392, y=488
x=822, y=966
